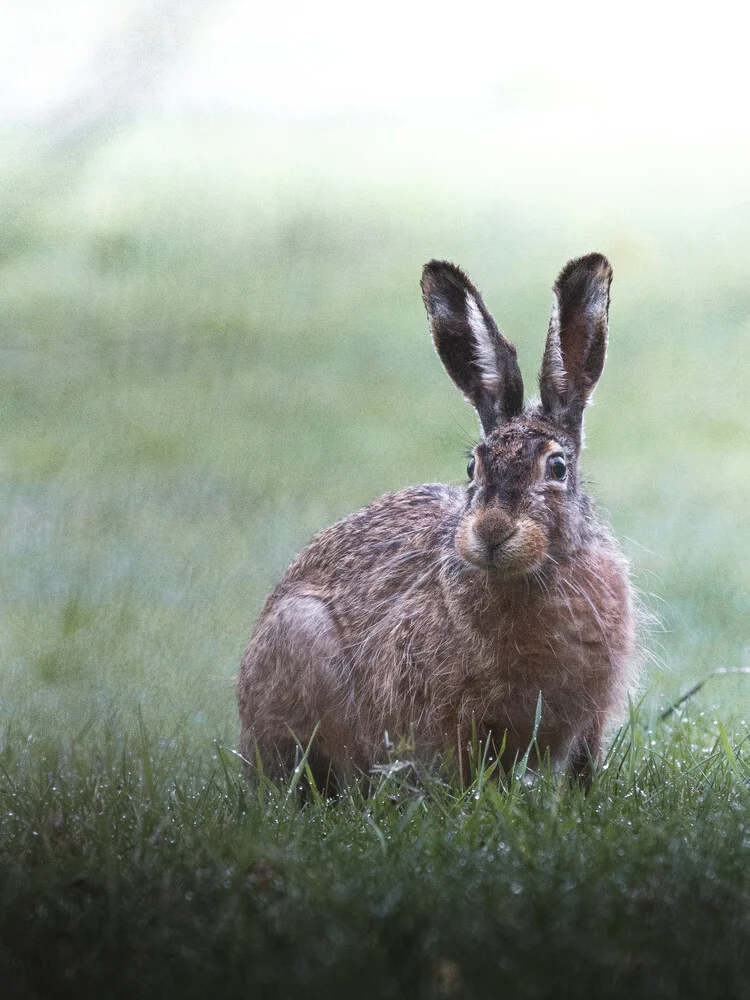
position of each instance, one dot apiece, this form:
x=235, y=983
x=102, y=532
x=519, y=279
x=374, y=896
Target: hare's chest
x=542, y=646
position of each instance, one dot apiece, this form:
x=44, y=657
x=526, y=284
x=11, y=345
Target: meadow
x=212, y=345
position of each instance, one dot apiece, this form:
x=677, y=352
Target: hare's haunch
x=440, y=612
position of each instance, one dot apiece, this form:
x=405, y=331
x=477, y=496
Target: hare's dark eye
x=556, y=467
x=470, y=467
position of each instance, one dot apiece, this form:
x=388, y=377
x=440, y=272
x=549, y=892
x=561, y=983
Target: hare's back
x=395, y=537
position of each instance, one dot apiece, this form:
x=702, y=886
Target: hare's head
x=524, y=500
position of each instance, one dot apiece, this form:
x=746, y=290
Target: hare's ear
x=475, y=354
x=577, y=340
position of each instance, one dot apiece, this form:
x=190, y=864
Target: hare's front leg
x=586, y=756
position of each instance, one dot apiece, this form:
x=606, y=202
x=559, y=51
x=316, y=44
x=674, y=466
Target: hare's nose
x=494, y=527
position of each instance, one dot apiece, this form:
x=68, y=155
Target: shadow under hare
x=438, y=614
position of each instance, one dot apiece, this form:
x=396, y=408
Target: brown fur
x=436, y=611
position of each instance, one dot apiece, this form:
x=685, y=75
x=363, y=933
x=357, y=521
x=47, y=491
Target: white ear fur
x=485, y=354
x=553, y=359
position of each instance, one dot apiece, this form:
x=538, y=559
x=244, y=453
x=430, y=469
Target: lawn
x=212, y=346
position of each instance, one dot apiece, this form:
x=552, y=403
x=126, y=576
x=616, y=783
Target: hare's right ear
x=475, y=354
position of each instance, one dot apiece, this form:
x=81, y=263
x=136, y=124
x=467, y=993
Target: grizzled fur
x=438, y=612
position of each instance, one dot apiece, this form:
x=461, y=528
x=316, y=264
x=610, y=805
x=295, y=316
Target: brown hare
x=439, y=614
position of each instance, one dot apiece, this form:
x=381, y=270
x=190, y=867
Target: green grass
x=212, y=345
x=143, y=868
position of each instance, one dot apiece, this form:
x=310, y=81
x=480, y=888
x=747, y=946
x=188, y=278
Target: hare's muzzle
x=491, y=539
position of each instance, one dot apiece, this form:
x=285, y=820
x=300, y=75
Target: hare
x=438, y=614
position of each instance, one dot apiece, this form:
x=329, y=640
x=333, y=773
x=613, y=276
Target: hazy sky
x=649, y=71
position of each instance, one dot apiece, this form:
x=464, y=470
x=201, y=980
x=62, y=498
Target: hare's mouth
x=517, y=549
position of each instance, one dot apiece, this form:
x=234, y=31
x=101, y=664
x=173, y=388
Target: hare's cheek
x=469, y=545
x=528, y=547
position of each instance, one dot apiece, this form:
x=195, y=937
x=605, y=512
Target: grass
x=213, y=346
x=139, y=869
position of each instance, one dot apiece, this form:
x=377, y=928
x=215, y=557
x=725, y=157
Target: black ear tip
x=591, y=272
x=442, y=272
x=434, y=266
x=597, y=265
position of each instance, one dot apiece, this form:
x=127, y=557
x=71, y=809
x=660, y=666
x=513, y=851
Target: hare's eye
x=470, y=467
x=556, y=467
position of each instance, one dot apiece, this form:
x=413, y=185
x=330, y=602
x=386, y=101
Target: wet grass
x=143, y=867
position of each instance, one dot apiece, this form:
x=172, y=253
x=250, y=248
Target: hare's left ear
x=577, y=340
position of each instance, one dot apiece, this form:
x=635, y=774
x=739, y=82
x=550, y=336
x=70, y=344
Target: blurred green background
x=212, y=345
